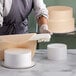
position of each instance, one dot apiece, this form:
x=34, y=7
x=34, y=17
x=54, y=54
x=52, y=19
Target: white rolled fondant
x=57, y=51
x=17, y=58
x=42, y=37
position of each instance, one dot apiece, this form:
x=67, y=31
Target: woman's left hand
x=44, y=29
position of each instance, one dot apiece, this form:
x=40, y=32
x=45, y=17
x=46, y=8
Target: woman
x=16, y=12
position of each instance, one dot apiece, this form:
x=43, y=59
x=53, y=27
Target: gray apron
x=16, y=22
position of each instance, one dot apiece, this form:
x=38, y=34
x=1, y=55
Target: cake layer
x=60, y=12
x=17, y=57
x=61, y=20
x=61, y=26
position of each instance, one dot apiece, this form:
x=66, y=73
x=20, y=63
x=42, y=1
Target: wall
x=70, y=40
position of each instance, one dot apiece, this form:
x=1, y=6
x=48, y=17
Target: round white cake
x=61, y=19
x=17, y=58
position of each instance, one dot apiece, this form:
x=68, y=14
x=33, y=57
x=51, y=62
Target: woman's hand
x=44, y=29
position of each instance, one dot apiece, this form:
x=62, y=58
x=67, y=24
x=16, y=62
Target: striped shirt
x=39, y=8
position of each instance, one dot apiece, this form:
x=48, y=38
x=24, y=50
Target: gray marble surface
x=45, y=67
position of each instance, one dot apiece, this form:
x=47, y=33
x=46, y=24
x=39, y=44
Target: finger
x=40, y=40
x=47, y=31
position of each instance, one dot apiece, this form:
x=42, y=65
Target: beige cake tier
x=61, y=26
x=17, y=41
x=60, y=12
x=61, y=19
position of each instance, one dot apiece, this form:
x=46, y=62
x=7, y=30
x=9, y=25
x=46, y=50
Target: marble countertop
x=45, y=67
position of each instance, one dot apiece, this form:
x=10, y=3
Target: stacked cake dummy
x=61, y=19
